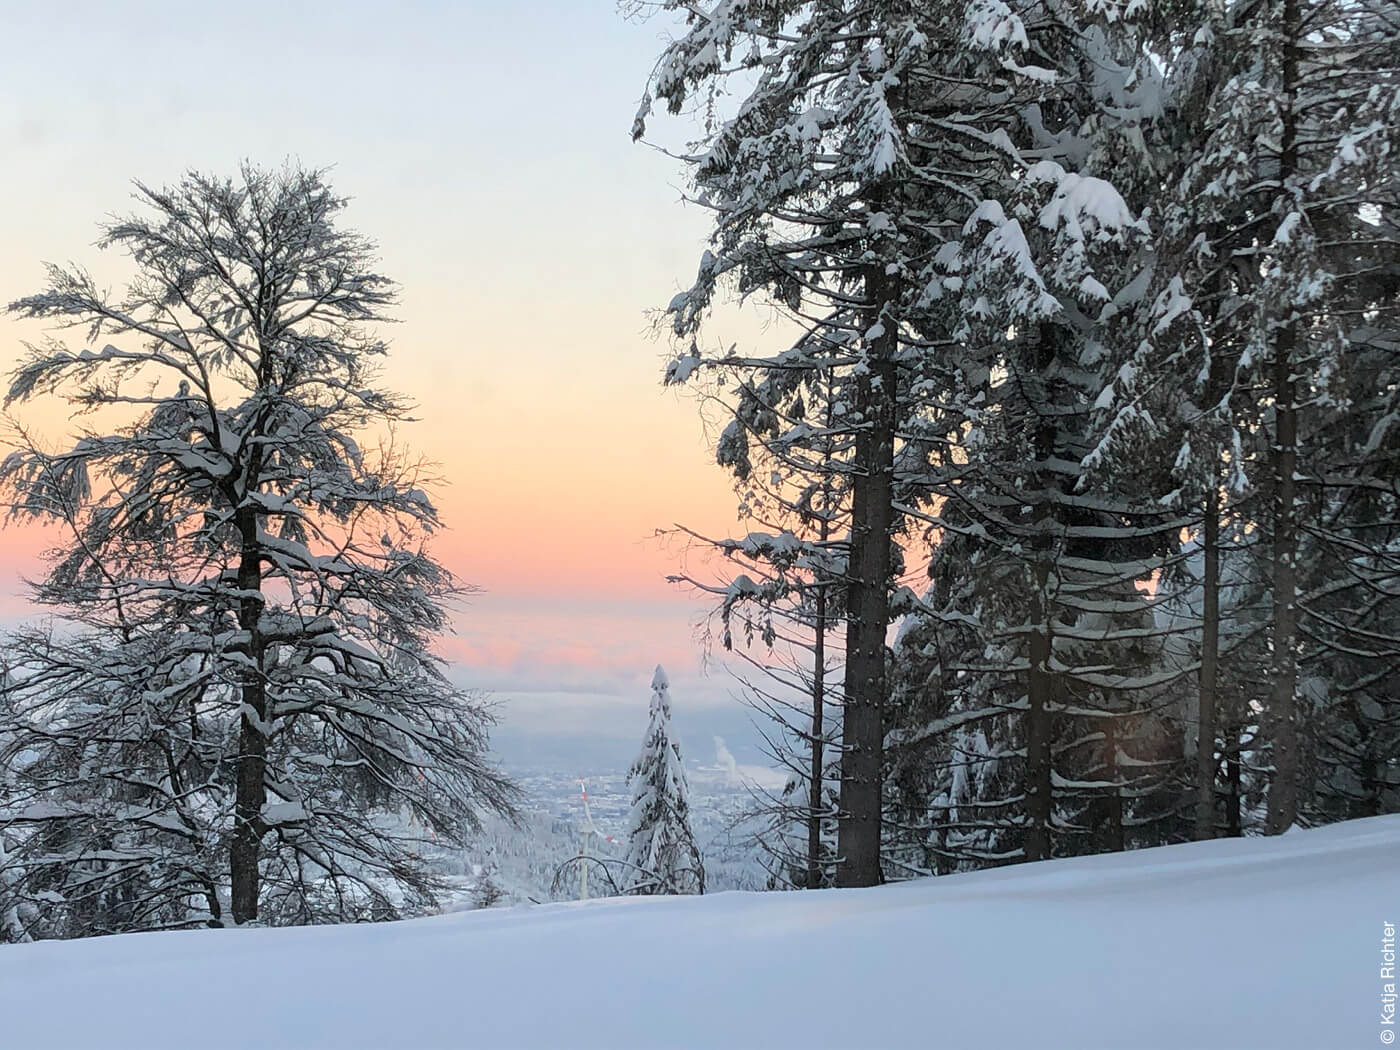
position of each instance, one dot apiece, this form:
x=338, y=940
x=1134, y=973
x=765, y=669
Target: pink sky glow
x=531, y=239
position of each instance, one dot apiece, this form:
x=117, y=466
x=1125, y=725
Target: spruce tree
x=662, y=856
x=1277, y=229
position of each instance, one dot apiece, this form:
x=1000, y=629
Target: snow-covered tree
x=927, y=191
x=662, y=856
x=779, y=604
x=1278, y=232
x=238, y=715
x=807, y=179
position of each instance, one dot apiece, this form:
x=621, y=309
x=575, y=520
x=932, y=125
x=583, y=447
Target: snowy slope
x=1260, y=943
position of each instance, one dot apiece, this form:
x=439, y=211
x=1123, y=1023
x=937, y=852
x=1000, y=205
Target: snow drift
x=1246, y=943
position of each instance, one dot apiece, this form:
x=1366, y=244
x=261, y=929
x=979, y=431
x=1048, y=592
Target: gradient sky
x=486, y=149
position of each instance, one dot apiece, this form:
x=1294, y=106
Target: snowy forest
x=1091, y=391
x=1067, y=466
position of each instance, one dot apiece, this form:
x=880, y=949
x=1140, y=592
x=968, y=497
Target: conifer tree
x=779, y=605
x=1034, y=664
x=1131, y=270
x=803, y=181
x=662, y=856
x=1277, y=229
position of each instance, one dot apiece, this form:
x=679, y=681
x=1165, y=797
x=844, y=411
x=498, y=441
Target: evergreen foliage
x=1094, y=303
x=662, y=856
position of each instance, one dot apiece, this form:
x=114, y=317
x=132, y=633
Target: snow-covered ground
x=1257, y=943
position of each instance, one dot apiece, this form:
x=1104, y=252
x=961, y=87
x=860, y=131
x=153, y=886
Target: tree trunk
x=1371, y=783
x=814, y=792
x=1036, y=840
x=1234, y=793
x=940, y=842
x=1111, y=836
x=1210, y=653
x=1283, y=789
x=250, y=788
x=868, y=602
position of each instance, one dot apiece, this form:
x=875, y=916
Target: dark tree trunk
x=868, y=602
x=1206, y=764
x=250, y=787
x=940, y=842
x=1234, y=794
x=1283, y=788
x=1036, y=841
x=1111, y=835
x=1371, y=783
x=814, y=794
x=1370, y=767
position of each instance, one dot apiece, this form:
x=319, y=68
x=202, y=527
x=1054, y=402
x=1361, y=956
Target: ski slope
x=1257, y=943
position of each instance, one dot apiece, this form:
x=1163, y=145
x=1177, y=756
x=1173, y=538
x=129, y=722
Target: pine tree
x=662, y=856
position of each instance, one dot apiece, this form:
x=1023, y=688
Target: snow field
x=1246, y=943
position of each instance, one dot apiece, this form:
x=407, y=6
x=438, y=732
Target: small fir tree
x=661, y=853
